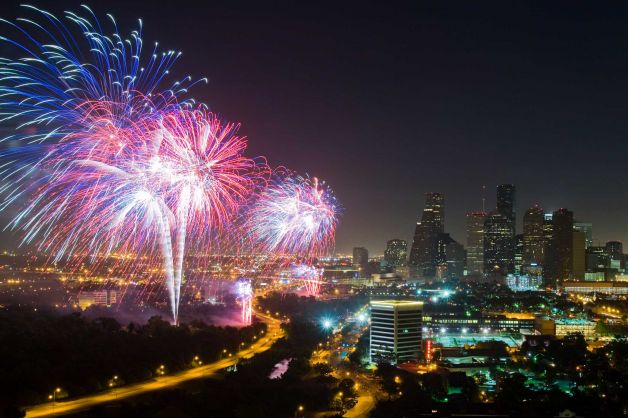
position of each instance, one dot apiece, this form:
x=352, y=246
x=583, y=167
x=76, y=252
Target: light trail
x=273, y=333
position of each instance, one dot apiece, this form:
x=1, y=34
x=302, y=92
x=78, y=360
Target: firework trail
x=296, y=216
x=245, y=295
x=113, y=160
x=311, y=276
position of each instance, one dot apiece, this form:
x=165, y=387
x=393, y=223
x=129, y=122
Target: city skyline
x=458, y=227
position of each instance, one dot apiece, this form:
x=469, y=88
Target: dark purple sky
x=388, y=102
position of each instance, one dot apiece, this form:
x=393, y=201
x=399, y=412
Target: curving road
x=273, y=333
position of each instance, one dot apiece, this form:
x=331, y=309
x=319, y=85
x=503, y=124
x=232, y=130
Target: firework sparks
x=295, y=215
x=245, y=295
x=121, y=165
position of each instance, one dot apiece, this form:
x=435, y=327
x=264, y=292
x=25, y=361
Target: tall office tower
x=475, y=242
x=519, y=254
x=533, y=239
x=562, y=246
x=451, y=257
x=587, y=229
x=506, y=203
x=396, y=328
x=578, y=255
x=396, y=253
x=499, y=252
x=615, y=250
x=360, y=259
x=424, y=245
x=548, y=249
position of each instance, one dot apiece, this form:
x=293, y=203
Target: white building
x=396, y=327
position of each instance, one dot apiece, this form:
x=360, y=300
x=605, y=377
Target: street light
x=299, y=411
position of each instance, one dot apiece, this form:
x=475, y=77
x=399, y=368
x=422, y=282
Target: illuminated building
x=568, y=326
x=424, y=251
x=548, y=251
x=475, y=242
x=97, y=297
x=594, y=276
x=396, y=327
x=578, y=255
x=396, y=253
x=506, y=203
x=499, y=253
x=523, y=283
x=518, y=253
x=615, y=251
x=451, y=257
x=561, y=262
x=360, y=260
x=533, y=238
x=597, y=259
x=446, y=323
x=606, y=287
x=587, y=229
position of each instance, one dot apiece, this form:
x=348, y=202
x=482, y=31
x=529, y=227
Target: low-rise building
x=97, y=297
x=572, y=326
x=606, y=287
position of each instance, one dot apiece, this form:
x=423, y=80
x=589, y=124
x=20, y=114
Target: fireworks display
x=107, y=157
x=311, y=276
x=245, y=296
x=295, y=215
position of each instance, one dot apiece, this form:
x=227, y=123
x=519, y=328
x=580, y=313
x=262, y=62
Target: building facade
x=499, y=252
x=475, y=242
x=424, y=251
x=506, y=204
x=396, y=328
x=361, y=260
x=396, y=253
x=578, y=255
x=451, y=257
x=587, y=229
x=561, y=261
x=533, y=239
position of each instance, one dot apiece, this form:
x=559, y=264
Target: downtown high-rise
x=560, y=261
x=533, y=239
x=475, y=242
x=506, y=204
x=499, y=251
x=424, y=251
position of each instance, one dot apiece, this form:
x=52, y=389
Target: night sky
x=386, y=103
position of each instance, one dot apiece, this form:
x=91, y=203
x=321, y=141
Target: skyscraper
x=424, y=252
x=578, y=255
x=451, y=257
x=533, y=238
x=519, y=254
x=548, y=250
x=475, y=242
x=615, y=251
x=396, y=253
x=360, y=259
x=562, y=246
x=506, y=203
x=498, y=244
x=587, y=229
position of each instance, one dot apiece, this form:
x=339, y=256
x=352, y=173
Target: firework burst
x=115, y=163
x=296, y=216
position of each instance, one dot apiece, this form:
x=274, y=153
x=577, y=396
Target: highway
x=50, y=409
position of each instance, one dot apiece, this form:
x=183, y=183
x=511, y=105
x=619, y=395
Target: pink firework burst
x=295, y=215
